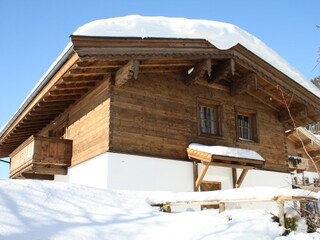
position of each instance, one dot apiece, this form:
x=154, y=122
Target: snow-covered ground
x=33, y=210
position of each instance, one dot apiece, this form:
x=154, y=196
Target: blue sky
x=34, y=32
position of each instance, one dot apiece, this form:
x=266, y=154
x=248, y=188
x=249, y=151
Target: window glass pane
x=208, y=120
x=245, y=127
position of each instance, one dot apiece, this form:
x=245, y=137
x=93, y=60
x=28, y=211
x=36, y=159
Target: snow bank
x=230, y=194
x=227, y=151
x=32, y=209
x=221, y=35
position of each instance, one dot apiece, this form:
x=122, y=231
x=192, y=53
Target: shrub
x=291, y=223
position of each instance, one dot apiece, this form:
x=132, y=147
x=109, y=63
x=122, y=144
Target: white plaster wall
x=132, y=172
x=218, y=174
x=147, y=173
x=253, y=178
x=262, y=178
x=92, y=173
x=310, y=175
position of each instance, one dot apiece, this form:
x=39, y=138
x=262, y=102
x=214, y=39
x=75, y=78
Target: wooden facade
x=142, y=96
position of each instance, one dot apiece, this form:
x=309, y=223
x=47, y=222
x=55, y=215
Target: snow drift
x=32, y=209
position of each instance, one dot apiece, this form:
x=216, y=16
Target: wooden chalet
x=152, y=97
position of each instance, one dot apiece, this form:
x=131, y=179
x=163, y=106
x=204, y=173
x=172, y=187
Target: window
x=246, y=126
x=209, y=118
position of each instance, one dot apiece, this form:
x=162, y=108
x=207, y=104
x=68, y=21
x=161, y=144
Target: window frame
x=218, y=108
x=253, y=126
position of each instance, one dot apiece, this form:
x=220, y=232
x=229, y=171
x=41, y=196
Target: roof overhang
x=224, y=160
x=90, y=60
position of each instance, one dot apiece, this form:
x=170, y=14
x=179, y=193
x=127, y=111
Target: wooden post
x=222, y=207
x=241, y=177
x=281, y=213
x=195, y=175
x=234, y=177
x=201, y=176
x=316, y=209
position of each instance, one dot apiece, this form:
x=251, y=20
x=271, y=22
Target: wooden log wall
x=156, y=115
x=87, y=124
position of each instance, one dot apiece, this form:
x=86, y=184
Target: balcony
x=298, y=164
x=305, y=183
x=41, y=158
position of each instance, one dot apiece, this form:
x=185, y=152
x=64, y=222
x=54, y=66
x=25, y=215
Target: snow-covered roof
x=221, y=35
x=227, y=151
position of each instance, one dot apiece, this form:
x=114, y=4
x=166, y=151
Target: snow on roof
x=221, y=35
x=227, y=151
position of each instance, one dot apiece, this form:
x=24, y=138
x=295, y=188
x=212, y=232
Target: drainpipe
x=1, y=160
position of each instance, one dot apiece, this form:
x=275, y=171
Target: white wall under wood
x=266, y=178
x=253, y=178
x=92, y=173
x=148, y=173
x=132, y=172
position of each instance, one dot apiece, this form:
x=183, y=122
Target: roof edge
x=63, y=57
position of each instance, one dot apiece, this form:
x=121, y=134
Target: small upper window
x=246, y=126
x=209, y=119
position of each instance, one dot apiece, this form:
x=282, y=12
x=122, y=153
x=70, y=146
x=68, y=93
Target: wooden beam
x=281, y=213
x=258, y=97
x=201, y=176
x=37, y=176
x=314, y=153
x=61, y=98
x=91, y=78
x=300, y=145
x=241, y=178
x=295, y=110
x=67, y=92
x=239, y=86
x=195, y=175
x=198, y=71
x=126, y=72
x=234, y=177
x=76, y=85
x=221, y=71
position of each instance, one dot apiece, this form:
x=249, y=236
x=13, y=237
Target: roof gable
x=222, y=35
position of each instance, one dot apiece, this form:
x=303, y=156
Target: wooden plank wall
x=156, y=115
x=87, y=124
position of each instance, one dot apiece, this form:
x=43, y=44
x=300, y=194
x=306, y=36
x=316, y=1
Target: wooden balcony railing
x=41, y=157
x=298, y=164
